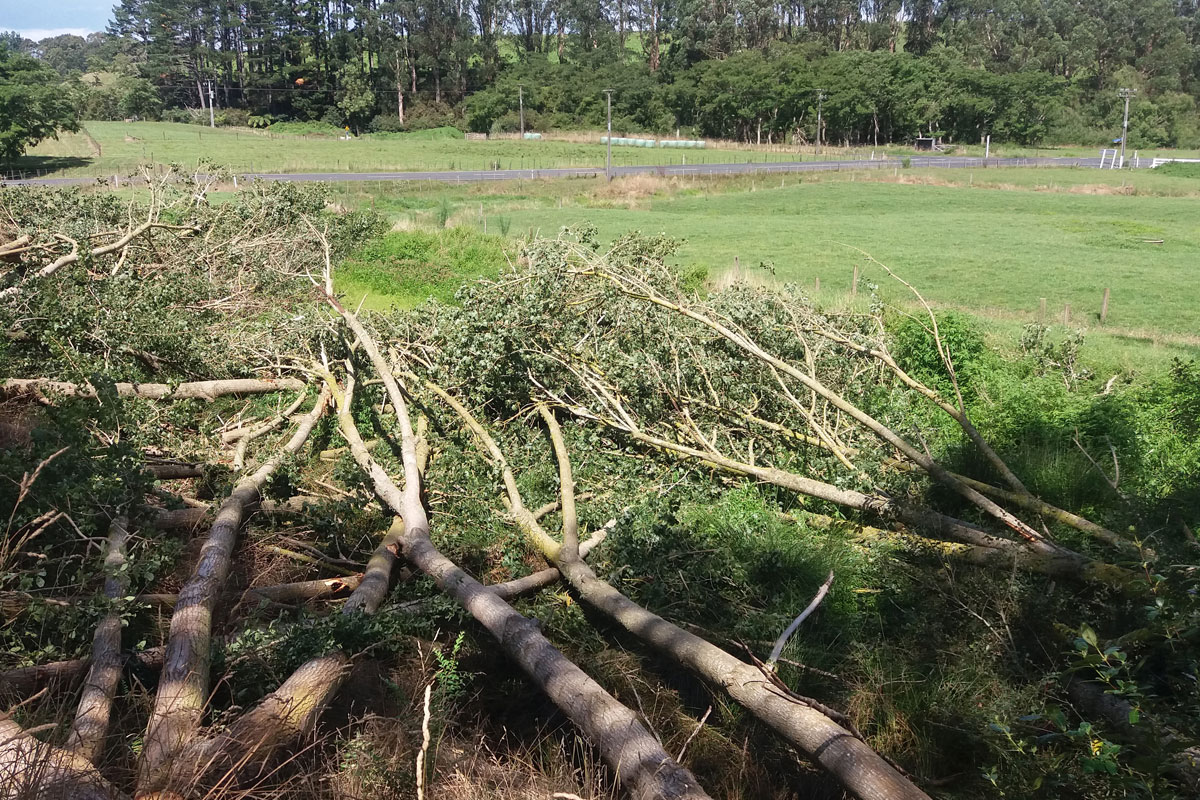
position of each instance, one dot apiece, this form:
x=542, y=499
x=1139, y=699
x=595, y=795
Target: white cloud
x=37, y=34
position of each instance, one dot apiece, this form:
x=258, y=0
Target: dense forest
x=881, y=70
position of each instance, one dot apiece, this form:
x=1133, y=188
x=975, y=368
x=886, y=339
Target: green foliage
x=450, y=679
x=1056, y=357
x=32, y=104
x=443, y=213
x=733, y=564
x=441, y=133
x=305, y=129
x=1179, y=169
x=63, y=484
x=355, y=99
x=259, y=659
x=916, y=348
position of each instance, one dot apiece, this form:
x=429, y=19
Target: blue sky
x=37, y=19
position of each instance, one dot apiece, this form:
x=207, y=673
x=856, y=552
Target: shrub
x=306, y=129
x=385, y=123
x=915, y=348
x=233, y=117
x=430, y=115
x=187, y=116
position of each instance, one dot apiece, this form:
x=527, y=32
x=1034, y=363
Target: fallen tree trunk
x=202, y=390
x=176, y=471
x=34, y=770
x=245, y=751
x=299, y=592
x=850, y=760
x=23, y=681
x=184, y=685
x=847, y=757
x=179, y=518
x=637, y=759
x=90, y=728
x=26, y=680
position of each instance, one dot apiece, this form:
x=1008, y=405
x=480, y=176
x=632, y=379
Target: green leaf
x=1087, y=634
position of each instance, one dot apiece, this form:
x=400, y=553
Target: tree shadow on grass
x=27, y=167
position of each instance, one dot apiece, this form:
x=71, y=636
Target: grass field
x=105, y=148
x=972, y=247
x=992, y=242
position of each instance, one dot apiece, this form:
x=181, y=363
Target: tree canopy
x=1020, y=71
x=32, y=104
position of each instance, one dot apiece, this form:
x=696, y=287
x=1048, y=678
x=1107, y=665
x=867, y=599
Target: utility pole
x=608, y=160
x=820, y=103
x=521, y=102
x=212, y=120
x=1125, y=94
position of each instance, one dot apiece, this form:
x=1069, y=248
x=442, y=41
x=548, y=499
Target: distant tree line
x=1019, y=70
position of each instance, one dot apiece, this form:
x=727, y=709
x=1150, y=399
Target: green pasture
x=106, y=148
x=986, y=250
x=991, y=242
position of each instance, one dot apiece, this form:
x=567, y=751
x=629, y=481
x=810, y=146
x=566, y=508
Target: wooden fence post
x=1066, y=314
x=817, y=284
x=1042, y=310
x=854, y=283
x=1104, y=307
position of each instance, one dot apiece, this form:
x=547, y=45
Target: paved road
x=474, y=176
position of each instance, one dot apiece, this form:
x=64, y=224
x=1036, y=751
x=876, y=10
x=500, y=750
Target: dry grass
x=19, y=416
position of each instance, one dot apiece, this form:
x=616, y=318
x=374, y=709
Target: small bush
x=430, y=115
x=915, y=348
x=305, y=129
x=432, y=134
x=233, y=118
x=187, y=116
x=385, y=123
